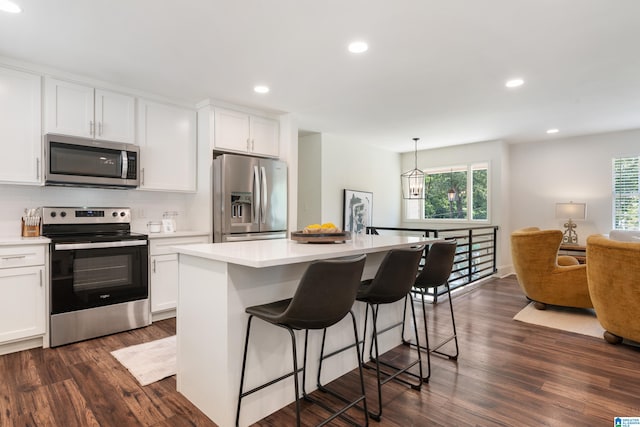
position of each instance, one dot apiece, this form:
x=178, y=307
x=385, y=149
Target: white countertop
x=185, y=233
x=268, y=253
x=18, y=240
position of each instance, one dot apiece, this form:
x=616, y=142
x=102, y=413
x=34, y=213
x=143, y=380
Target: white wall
x=352, y=165
x=573, y=169
x=310, y=179
x=147, y=205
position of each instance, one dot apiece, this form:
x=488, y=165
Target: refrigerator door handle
x=256, y=195
x=263, y=178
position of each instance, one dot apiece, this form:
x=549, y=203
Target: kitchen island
x=218, y=281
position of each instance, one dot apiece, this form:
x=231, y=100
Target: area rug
x=151, y=361
x=578, y=320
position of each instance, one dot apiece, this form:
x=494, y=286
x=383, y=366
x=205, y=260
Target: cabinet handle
x=142, y=176
x=6, y=258
x=91, y=128
x=99, y=128
x=38, y=168
x=248, y=144
x=40, y=272
x=253, y=145
x=154, y=265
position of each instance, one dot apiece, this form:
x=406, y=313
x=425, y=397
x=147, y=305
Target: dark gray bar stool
x=435, y=272
x=325, y=295
x=392, y=283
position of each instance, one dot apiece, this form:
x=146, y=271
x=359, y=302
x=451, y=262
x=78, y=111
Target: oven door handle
x=98, y=245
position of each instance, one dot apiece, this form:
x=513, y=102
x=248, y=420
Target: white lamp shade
x=571, y=210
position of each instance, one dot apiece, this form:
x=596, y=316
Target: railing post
x=470, y=257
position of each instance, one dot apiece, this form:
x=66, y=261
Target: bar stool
x=325, y=295
x=435, y=272
x=392, y=283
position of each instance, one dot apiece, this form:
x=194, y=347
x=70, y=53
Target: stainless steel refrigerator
x=249, y=198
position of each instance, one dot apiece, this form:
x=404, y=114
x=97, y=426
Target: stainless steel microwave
x=71, y=161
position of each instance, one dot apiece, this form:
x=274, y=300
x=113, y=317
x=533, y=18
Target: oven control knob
x=114, y=214
x=53, y=214
x=122, y=213
x=63, y=214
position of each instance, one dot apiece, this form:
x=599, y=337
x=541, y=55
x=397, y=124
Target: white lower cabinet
x=164, y=282
x=22, y=293
x=163, y=272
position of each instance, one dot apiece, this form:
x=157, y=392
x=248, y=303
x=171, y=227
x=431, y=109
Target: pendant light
x=413, y=180
x=451, y=194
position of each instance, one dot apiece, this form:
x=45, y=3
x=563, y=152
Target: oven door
x=87, y=275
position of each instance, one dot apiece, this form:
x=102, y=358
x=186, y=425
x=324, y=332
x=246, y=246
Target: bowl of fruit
x=321, y=233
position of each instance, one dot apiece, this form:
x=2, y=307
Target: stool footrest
x=272, y=382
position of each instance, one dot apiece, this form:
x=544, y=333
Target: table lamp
x=570, y=211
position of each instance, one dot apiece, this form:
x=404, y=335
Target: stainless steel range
x=99, y=273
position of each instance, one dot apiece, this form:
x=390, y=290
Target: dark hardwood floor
x=508, y=373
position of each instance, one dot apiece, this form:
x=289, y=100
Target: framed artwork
x=357, y=210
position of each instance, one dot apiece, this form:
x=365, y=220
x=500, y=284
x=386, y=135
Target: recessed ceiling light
x=358, y=47
x=514, y=83
x=9, y=6
x=554, y=130
x=261, y=89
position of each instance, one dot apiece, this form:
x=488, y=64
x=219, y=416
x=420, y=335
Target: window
x=454, y=193
x=626, y=193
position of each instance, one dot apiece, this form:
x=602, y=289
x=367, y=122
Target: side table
x=579, y=252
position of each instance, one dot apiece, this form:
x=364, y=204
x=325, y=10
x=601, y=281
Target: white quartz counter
x=18, y=240
x=269, y=253
x=180, y=233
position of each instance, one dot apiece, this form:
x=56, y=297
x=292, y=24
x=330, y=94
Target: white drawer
x=21, y=256
x=163, y=246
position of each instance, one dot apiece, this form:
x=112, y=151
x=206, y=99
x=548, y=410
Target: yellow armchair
x=545, y=277
x=613, y=272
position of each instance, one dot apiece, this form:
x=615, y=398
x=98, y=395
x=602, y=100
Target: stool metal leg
x=324, y=388
x=435, y=349
x=398, y=370
x=295, y=373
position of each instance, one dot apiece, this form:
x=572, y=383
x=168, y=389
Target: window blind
x=626, y=193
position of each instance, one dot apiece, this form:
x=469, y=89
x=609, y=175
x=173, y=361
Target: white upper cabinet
x=20, y=132
x=265, y=136
x=114, y=116
x=78, y=110
x=167, y=139
x=245, y=133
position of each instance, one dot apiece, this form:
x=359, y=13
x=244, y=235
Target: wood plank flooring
x=508, y=373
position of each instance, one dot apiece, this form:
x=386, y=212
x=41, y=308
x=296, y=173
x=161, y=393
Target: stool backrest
x=325, y=294
x=438, y=265
x=394, y=277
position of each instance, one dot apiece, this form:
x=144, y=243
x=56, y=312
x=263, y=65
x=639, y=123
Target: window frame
x=469, y=167
x=616, y=192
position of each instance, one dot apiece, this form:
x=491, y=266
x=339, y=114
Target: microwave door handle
x=256, y=195
x=125, y=163
x=263, y=178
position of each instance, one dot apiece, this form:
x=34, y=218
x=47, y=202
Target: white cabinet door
x=77, y=110
x=69, y=108
x=231, y=131
x=164, y=282
x=115, y=117
x=244, y=133
x=167, y=139
x=20, y=132
x=22, y=303
x=265, y=136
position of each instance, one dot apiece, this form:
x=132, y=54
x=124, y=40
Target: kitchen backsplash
x=145, y=205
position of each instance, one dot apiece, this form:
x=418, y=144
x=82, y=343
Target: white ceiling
x=435, y=69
